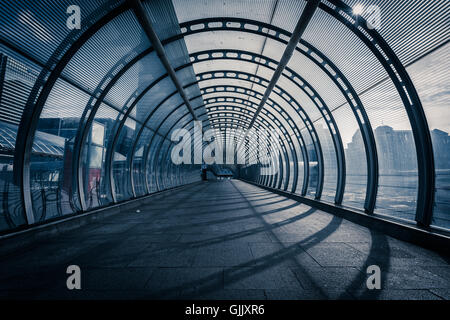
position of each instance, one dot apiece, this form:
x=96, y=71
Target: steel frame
x=307, y=89
x=414, y=109
x=318, y=58
x=276, y=124
x=273, y=104
x=425, y=198
x=38, y=96
x=136, y=101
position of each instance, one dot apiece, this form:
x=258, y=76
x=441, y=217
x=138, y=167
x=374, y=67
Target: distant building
x=441, y=148
x=397, y=150
x=355, y=155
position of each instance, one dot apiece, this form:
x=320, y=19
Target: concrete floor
x=224, y=240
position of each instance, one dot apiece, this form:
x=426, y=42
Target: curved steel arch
x=273, y=126
x=268, y=61
x=145, y=156
x=330, y=123
x=263, y=178
x=161, y=142
x=168, y=148
x=310, y=129
x=314, y=96
x=38, y=97
x=299, y=137
x=217, y=117
x=285, y=156
x=304, y=85
x=110, y=152
x=426, y=169
x=283, y=159
x=287, y=137
x=373, y=40
x=337, y=141
x=229, y=116
x=309, y=51
x=244, y=113
x=129, y=109
x=284, y=148
x=231, y=106
x=414, y=109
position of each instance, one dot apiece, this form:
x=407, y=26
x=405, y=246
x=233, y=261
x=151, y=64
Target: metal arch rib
x=311, y=131
x=289, y=137
x=300, y=140
x=33, y=109
x=411, y=101
x=348, y=91
x=156, y=43
x=306, y=16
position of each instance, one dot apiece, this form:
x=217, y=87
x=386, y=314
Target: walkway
x=224, y=240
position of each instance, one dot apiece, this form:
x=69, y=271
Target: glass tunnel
x=358, y=92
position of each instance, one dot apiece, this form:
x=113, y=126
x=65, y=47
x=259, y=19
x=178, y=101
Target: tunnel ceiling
x=345, y=102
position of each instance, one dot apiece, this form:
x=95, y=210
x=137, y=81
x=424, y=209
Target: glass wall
x=431, y=79
x=96, y=181
x=355, y=157
x=77, y=130
x=17, y=77
x=52, y=174
x=101, y=129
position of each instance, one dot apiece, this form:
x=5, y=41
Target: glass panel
x=329, y=161
x=355, y=158
x=138, y=162
x=96, y=184
x=224, y=40
x=135, y=80
x=313, y=163
x=52, y=180
x=121, y=170
x=19, y=76
x=107, y=50
x=233, y=8
x=398, y=177
x=151, y=174
x=431, y=79
x=11, y=212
